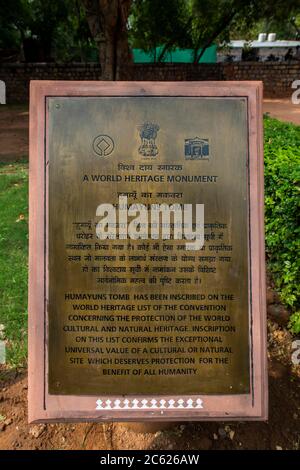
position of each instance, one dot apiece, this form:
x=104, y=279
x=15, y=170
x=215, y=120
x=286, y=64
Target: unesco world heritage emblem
x=103, y=145
x=148, y=133
x=196, y=149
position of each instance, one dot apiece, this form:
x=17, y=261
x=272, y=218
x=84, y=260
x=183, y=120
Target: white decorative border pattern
x=143, y=404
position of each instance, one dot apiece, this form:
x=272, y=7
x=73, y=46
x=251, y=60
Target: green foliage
x=294, y=323
x=13, y=259
x=289, y=29
x=282, y=177
x=14, y=19
x=196, y=24
x=46, y=30
x=280, y=17
x=155, y=23
x=72, y=40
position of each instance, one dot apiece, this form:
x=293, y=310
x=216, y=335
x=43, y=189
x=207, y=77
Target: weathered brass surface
x=92, y=136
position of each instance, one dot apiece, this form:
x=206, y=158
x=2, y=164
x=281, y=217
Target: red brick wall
x=277, y=77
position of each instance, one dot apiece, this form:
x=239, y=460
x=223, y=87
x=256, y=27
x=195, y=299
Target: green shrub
x=282, y=176
x=294, y=323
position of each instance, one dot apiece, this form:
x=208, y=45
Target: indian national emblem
x=148, y=133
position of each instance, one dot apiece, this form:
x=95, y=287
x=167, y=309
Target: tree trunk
x=107, y=21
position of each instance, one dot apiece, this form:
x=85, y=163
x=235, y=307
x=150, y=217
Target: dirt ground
x=282, y=109
x=14, y=123
x=14, y=126
x=281, y=432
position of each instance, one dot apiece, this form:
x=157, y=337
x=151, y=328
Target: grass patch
x=13, y=259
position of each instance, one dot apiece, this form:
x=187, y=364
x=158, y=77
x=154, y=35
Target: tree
x=197, y=24
x=45, y=30
x=286, y=26
x=46, y=16
x=14, y=19
x=159, y=23
x=107, y=20
x=82, y=29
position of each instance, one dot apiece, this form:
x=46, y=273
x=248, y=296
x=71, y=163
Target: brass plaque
x=147, y=315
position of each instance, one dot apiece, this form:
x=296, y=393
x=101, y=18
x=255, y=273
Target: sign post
x=147, y=277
